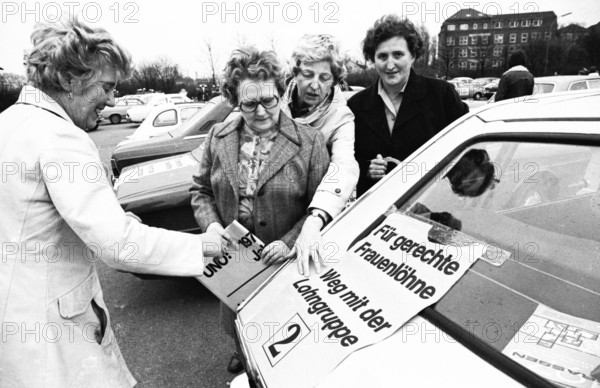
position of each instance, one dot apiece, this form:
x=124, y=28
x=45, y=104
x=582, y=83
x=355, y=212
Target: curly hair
x=390, y=26
x=250, y=63
x=317, y=48
x=73, y=51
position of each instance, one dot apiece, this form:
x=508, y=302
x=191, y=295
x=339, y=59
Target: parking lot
x=168, y=329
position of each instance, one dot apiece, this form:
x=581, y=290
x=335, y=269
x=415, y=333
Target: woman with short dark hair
x=402, y=110
x=517, y=81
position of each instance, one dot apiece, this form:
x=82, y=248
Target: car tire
x=477, y=96
x=115, y=119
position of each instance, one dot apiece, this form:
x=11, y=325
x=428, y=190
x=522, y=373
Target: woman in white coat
x=60, y=216
x=314, y=98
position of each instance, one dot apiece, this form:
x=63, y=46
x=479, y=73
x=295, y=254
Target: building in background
x=478, y=44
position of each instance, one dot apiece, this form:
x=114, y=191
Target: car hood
x=150, y=180
x=133, y=145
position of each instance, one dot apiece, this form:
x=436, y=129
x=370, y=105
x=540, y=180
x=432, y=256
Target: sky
x=179, y=30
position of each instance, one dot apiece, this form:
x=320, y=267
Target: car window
x=134, y=102
x=168, y=117
x=579, y=85
x=186, y=113
x=594, y=83
x=542, y=88
x=535, y=203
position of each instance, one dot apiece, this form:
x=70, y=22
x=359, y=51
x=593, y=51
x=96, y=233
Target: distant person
x=402, y=110
x=594, y=71
x=60, y=216
x=517, y=81
x=313, y=98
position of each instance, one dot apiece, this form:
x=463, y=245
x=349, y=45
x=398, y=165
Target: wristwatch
x=319, y=214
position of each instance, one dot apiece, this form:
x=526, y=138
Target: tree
x=591, y=44
x=212, y=60
x=159, y=75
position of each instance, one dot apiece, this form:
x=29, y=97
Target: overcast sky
x=178, y=29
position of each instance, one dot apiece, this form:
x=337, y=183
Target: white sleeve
x=78, y=187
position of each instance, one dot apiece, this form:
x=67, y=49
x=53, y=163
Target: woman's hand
x=308, y=246
x=216, y=240
x=275, y=252
x=377, y=168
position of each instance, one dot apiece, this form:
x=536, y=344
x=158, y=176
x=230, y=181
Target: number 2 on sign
x=285, y=339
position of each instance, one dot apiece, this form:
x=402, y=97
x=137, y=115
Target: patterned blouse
x=254, y=151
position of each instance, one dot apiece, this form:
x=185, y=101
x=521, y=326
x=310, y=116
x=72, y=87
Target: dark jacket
x=428, y=105
x=515, y=82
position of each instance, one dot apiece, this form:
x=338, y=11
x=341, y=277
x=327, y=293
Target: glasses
x=251, y=105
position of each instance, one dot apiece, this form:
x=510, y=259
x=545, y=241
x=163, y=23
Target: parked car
x=156, y=189
x=115, y=114
x=186, y=137
x=486, y=80
x=165, y=117
x=561, y=83
x=490, y=88
x=484, y=331
x=139, y=113
x=467, y=88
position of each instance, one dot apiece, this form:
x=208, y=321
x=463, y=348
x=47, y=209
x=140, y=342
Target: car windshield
x=537, y=205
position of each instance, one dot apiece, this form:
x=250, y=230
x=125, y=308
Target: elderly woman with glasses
x=261, y=169
x=314, y=98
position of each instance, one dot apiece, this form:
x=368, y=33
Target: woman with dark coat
x=402, y=110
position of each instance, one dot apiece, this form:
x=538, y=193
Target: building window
x=547, y=35
x=450, y=41
x=512, y=38
x=472, y=65
x=464, y=27
x=497, y=63
x=485, y=39
x=498, y=38
x=452, y=65
x=482, y=53
x=497, y=51
x=473, y=40
x=462, y=53
x=525, y=23
x=463, y=40
x=462, y=65
x=451, y=27
x=485, y=26
x=513, y=23
x=497, y=24
x=473, y=53
x=537, y=22
x=535, y=36
x=512, y=49
x=524, y=37
x=475, y=26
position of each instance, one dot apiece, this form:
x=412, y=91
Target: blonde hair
x=73, y=51
x=317, y=48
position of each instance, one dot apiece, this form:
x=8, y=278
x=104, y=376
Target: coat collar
x=286, y=145
x=375, y=111
x=30, y=95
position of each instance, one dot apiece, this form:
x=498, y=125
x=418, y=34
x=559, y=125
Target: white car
x=139, y=113
x=522, y=177
x=165, y=117
x=115, y=114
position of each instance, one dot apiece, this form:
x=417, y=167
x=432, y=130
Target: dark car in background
x=180, y=140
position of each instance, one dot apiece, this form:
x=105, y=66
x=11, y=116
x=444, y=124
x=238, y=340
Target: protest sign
x=559, y=347
x=381, y=282
x=233, y=276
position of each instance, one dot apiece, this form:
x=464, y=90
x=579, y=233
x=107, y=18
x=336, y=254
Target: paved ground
x=168, y=330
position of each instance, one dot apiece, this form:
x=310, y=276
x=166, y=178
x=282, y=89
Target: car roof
x=574, y=105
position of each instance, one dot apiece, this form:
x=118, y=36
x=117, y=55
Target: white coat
x=58, y=217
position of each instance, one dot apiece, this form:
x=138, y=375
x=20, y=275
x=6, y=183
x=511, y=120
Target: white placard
x=236, y=274
x=382, y=282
